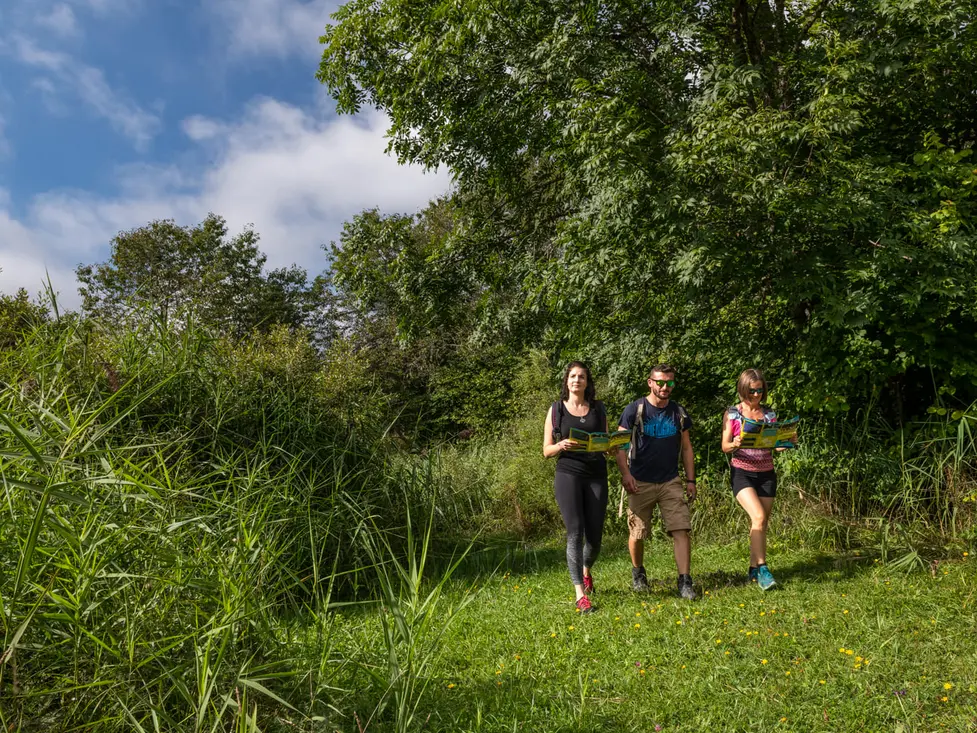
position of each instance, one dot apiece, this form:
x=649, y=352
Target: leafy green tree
x=720, y=184
x=18, y=315
x=174, y=270
x=408, y=302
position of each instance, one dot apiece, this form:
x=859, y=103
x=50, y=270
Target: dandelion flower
x=637, y=626
x=570, y=628
x=763, y=661
x=451, y=685
x=947, y=685
x=822, y=682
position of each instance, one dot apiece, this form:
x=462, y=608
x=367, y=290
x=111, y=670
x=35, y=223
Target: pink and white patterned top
x=750, y=459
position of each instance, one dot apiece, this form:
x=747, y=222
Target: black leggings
x=583, y=504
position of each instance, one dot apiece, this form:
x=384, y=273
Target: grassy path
x=842, y=644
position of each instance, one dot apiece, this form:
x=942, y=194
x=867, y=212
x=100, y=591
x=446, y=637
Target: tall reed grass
x=172, y=504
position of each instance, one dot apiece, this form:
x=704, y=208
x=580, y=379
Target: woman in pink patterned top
x=754, y=481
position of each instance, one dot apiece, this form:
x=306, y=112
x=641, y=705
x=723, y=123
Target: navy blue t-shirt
x=659, y=443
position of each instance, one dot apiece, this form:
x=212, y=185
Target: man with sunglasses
x=649, y=472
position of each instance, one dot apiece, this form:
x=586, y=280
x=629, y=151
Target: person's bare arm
x=552, y=449
x=688, y=462
x=729, y=442
x=627, y=480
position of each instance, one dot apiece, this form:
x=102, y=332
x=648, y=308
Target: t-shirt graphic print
x=661, y=425
x=656, y=453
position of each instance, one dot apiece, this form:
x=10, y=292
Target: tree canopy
x=721, y=184
x=172, y=270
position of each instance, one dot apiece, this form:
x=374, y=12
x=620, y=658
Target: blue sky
x=117, y=112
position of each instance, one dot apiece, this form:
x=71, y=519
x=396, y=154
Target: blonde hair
x=743, y=383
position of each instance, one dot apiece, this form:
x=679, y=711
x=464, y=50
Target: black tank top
x=580, y=464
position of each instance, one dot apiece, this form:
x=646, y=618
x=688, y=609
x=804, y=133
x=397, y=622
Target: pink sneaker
x=588, y=584
x=584, y=605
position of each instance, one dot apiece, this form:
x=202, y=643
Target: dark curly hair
x=589, y=394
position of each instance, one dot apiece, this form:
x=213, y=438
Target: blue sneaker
x=752, y=574
x=764, y=578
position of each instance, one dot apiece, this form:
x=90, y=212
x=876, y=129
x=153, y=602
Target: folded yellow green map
x=598, y=442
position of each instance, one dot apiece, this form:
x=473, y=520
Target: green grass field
x=844, y=643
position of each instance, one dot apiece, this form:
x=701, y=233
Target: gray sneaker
x=685, y=587
x=639, y=580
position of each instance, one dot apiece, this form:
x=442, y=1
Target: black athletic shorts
x=763, y=482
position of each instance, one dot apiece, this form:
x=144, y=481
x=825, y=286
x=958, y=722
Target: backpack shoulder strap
x=556, y=420
x=636, y=428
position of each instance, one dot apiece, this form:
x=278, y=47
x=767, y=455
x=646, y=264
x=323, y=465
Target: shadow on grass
x=498, y=555
x=504, y=554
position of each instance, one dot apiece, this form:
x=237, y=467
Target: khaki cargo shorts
x=670, y=496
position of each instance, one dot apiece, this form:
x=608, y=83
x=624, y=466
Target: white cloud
x=68, y=76
x=297, y=176
x=60, y=20
x=274, y=27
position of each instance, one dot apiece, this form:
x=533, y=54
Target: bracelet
x=690, y=480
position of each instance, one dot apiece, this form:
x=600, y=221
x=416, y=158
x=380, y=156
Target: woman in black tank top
x=581, y=478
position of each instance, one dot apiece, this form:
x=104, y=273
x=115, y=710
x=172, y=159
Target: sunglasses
x=664, y=382
x=757, y=391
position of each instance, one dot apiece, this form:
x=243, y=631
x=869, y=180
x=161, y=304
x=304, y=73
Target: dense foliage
x=719, y=184
x=166, y=272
